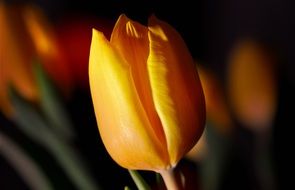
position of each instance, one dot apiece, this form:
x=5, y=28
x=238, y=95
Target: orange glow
x=252, y=85
x=14, y=57
x=44, y=40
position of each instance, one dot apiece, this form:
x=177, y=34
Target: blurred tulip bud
x=216, y=106
x=252, y=85
x=64, y=47
x=47, y=48
x=15, y=57
x=26, y=33
x=147, y=95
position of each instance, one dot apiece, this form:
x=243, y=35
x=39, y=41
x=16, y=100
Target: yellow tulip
x=147, y=95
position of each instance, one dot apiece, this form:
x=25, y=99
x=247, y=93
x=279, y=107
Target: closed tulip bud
x=147, y=95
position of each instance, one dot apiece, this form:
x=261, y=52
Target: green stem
x=263, y=160
x=138, y=180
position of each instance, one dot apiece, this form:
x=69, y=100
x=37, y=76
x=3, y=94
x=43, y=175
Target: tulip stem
x=170, y=180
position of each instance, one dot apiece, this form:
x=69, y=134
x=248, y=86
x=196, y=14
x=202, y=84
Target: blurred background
x=244, y=52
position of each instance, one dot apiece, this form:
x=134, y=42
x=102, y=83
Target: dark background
x=210, y=28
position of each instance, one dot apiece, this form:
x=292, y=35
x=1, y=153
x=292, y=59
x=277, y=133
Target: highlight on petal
x=133, y=35
x=176, y=89
x=123, y=123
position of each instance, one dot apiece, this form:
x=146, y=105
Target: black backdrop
x=210, y=27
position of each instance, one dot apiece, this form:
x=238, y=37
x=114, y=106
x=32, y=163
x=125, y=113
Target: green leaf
x=127, y=188
x=31, y=122
x=138, y=180
x=212, y=167
x=23, y=164
x=51, y=104
x=160, y=181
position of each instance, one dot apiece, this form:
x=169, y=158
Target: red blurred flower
x=74, y=35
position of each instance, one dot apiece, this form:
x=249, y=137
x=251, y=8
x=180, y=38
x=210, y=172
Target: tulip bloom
x=147, y=95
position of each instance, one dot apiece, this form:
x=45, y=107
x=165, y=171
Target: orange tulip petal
x=176, y=89
x=130, y=39
x=123, y=124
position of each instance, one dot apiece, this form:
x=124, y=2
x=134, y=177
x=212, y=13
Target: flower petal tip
x=96, y=33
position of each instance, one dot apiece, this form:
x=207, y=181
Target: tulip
x=253, y=92
x=15, y=54
x=252, y=85
x=65, y=57
x=25, y=34
x=44, y=40
x=147, y=95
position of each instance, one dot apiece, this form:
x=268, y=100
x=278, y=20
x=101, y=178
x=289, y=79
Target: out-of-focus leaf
x=159, y=180
x=138, y=180
x=213, y=166
x=126, y=188
x=29, y=120
x=23, y=164
x=33, y=125
x=52, y=105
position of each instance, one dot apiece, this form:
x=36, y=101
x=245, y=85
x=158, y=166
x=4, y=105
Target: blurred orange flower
x=15, y=55
x=252, y=84
x=46, y=47
x=26, y=34
x=147, y=95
